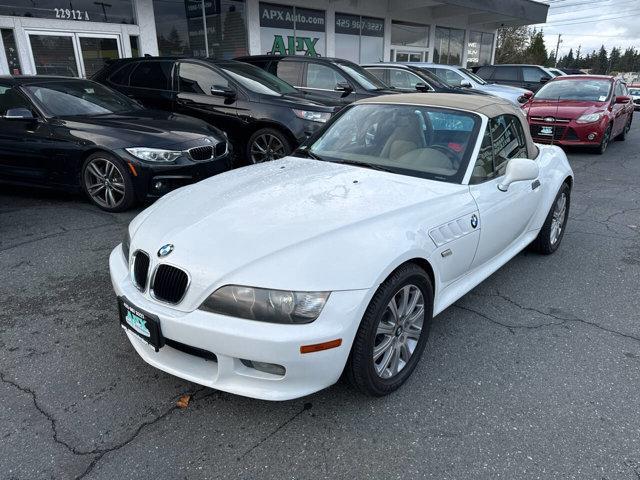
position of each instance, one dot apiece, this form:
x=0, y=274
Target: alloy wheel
x=104, y=182
x=558, y=217
x=267, y=147
x=398, y=331
x=605, y=139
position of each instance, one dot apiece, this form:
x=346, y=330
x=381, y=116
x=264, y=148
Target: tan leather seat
x=406, y=137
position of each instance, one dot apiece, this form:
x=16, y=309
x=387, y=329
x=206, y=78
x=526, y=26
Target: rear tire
x=107, y=183
x=267, y=144
x=551, y=233
x=388, y=345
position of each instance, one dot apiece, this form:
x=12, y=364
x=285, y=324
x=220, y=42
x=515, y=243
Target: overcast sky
x=614, y=23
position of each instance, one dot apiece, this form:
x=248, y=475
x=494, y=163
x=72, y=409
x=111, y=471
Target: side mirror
x=422, y=87
x=221, y=91
x=465, y=84
x=343, y=87
x=544, y=79
x=518, y=170
x=623, y=99
x=18, y=114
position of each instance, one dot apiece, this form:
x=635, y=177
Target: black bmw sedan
x=78, y=135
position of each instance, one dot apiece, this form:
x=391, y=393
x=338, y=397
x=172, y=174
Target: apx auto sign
x=288, y=30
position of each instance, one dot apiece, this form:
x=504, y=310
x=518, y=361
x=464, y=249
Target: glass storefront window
x=135, y=45
x=409, y=34
x=288, y=30
x=108, y=11
x=359, y=39
x=200, y=28
x=11, y=51
x=448, y=46
x=54, y=55
x=479, y=48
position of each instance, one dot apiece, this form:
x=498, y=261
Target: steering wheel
x=449, y=152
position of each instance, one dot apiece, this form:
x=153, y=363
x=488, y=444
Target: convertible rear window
x=421, y=141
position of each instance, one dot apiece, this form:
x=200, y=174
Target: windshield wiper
x=305, y=152
x=372, y=166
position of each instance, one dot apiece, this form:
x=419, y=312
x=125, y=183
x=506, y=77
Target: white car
x=272, y=280
x=457, y=76
x=635, y=97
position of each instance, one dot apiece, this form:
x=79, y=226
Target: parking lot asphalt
x=534, y=374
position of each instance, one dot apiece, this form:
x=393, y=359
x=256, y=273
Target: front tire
x=627, y=126
x=604, y=143
x=551, y=233
x=393, y=332
x=107, y=183
x=267, y=144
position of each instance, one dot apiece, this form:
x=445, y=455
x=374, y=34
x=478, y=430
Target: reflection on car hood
x=223, y=224
x=564, y=108
x=149, y=128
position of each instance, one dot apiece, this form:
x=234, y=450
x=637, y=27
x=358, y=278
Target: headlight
x=321, y=117
x=589, y=118
x=126, y=244
x=154, y=154
x=276, y=306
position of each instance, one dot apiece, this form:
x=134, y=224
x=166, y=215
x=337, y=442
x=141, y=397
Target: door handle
x=535, y=184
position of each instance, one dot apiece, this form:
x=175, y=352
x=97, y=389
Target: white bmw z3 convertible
x=272, y=280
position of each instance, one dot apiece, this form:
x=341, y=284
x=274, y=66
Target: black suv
x=264, y=117
x=531, y=77
x=335, y=78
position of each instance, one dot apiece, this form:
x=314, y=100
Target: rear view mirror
x=18, y=114
x=221, y=91
x=544, y=79
x=422, y=87
x=518, y=170
x=465, y=84
x=623, y=99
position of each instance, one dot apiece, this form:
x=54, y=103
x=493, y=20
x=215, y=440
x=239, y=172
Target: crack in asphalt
x=98, y=452
x=562, y=320
x=305, y=407
x=47, y=415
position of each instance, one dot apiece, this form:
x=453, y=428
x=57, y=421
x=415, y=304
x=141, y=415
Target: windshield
x=420, y=141
x=434, y=80
x=634, y=91
x=472, y=75
x=589, y=90
x=257, y=80
x=79, y=97
x=367, y=80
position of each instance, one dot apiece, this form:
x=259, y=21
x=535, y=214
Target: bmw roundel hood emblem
x=165, y=250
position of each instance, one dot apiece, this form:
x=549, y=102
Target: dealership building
x=75, y=37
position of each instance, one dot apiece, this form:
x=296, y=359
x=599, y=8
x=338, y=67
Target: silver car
x=457, y=76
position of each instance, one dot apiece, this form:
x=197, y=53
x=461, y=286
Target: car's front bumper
x=232, y=339
x=153, y=180
x=568, y=134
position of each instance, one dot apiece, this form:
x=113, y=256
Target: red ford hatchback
x=583, y=110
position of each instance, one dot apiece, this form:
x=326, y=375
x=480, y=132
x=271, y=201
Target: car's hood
x=292, y=212
x=563, y=109
x=505, y=89
x=149, y=128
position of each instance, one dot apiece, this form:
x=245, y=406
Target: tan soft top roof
x=485, y=104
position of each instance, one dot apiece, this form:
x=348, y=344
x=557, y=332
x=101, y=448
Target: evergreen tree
x=615, y=65
x=601, y=62
x=537, y=52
